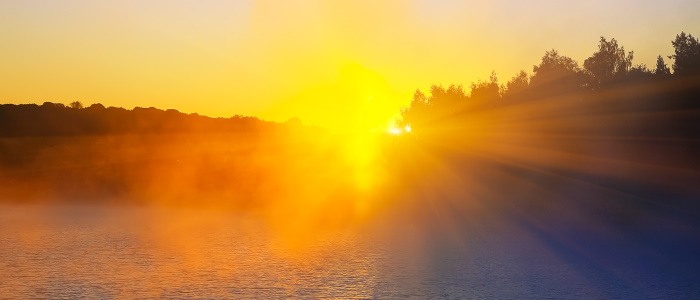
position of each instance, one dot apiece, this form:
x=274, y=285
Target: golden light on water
x=348, y=149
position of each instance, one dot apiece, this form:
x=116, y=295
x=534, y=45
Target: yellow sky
x=346, y=65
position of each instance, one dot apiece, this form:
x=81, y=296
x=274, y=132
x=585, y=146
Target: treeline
x=70, y=153
x=609, y=75
x=608, y=138
x=56, y=119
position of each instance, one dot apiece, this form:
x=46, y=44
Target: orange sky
x=346, y=65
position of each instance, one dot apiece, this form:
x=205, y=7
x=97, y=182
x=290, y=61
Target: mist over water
x=500, y=213
x=574, y=182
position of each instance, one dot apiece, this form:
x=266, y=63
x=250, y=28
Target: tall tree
x=687, y=54
x=609, y=62
x=416, y=113
x=661, y=67
x=556, y=69
x=517, y=84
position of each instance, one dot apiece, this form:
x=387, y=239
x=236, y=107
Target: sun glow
x=353, y=99
x=399, y=130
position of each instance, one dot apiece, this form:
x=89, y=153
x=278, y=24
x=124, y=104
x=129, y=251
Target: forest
x=610, y=139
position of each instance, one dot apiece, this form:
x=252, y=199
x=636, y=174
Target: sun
x=398, y=130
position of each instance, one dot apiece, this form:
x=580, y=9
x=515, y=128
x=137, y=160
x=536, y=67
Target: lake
x=78, y=251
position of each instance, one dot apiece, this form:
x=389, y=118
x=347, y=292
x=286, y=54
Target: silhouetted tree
x=661, y=67
x=443, y=104
x=76, y=105
x=517, y=84
x=687, y=54
x=452, y=97
x=555, y=69
x=610, y=62
x=639, y=72
x=416, y=113
x=419, y=98
x=486, y=90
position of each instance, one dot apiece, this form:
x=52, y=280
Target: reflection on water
x=96, y=252
x=88, y=252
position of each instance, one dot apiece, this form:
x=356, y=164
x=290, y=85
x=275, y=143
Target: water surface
x=121, y=252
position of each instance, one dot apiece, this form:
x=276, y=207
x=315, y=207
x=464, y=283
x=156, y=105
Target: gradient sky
x=341, y=64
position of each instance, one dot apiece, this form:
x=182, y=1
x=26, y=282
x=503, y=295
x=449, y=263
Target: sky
x=344, y=65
